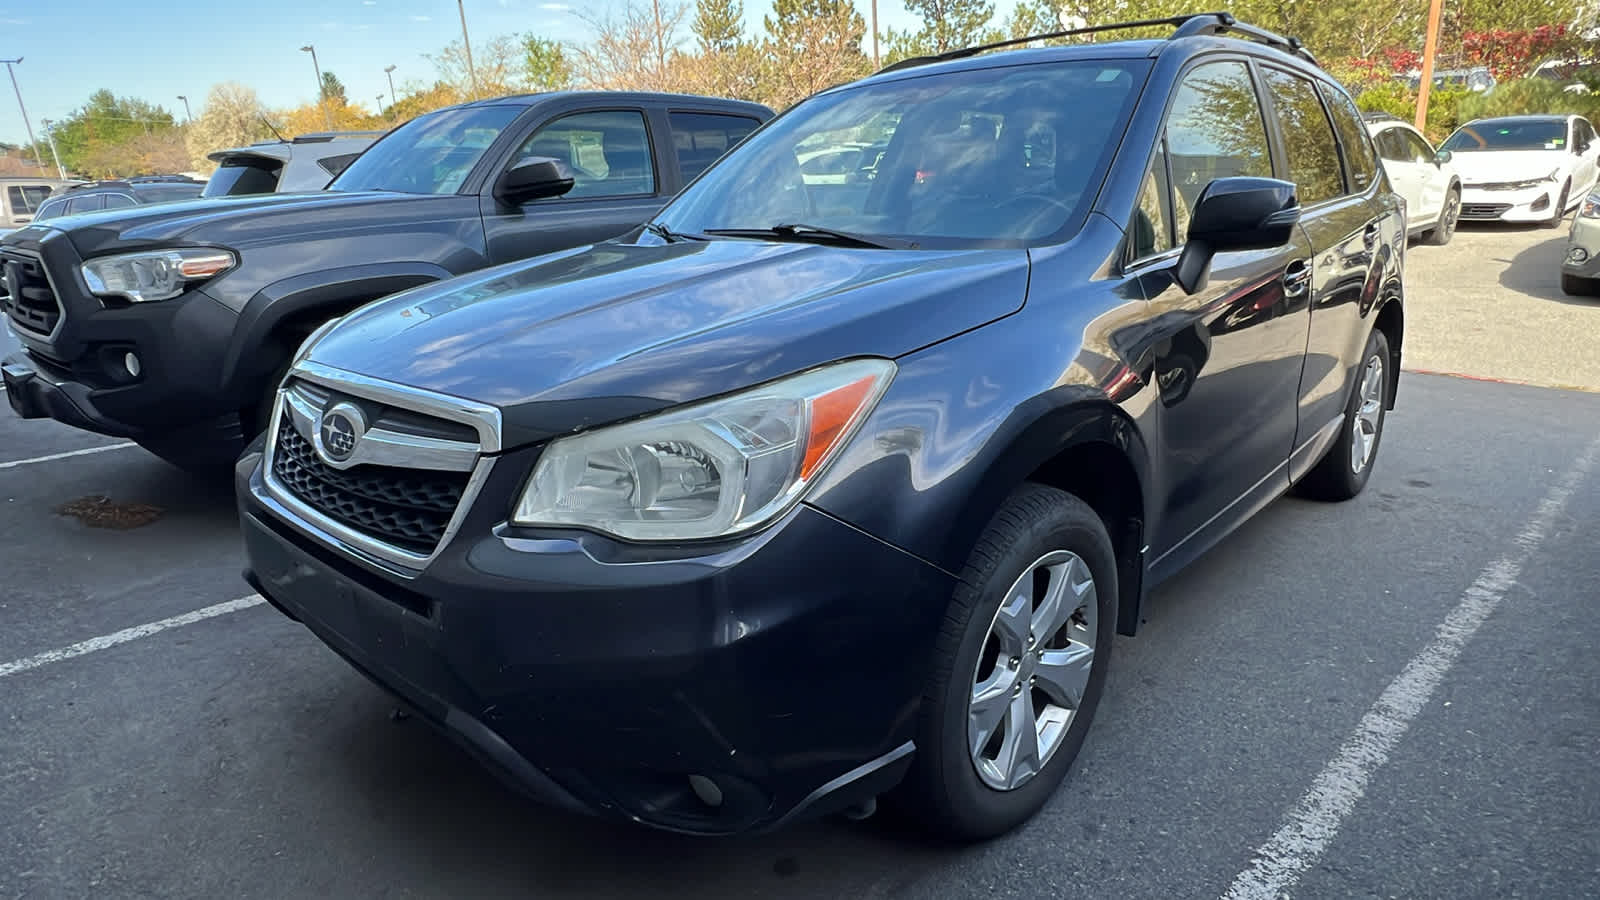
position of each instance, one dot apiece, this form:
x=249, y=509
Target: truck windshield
x=431, y=154
x=985, y=157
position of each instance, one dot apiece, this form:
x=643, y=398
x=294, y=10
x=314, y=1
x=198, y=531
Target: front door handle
x=1297, y=278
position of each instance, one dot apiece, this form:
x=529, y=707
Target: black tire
x=1448, y=217
x=1336, y=477
x=1559, y=214
x=1577, y=286
x=943, y=788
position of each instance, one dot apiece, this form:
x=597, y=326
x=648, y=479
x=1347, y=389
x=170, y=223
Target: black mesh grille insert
x=407, y=508
x=29, y=299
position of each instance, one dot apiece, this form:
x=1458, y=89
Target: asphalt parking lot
x=1394, y=697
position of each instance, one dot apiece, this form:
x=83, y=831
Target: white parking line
x=67, y=455
x=107, y=641
x=1312, y=825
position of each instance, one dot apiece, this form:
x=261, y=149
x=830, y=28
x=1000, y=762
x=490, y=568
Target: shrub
x=1529, y=95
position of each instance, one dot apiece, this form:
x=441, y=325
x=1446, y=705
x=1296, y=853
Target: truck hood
x=229, y=221
x=602, y=333
x=1499, y=166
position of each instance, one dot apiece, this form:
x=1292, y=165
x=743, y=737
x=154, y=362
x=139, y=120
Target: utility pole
x=875, y=63
x=389, y=73
x=1430, y=46
x=49, y=135
x=322, y=100
x=472, y=74
x=31, y=142
x=188, y=114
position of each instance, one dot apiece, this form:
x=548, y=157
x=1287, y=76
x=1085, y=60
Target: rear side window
x=243, y=177
x=1308, y=140
x=1215, y=130
x=86, y=204
x=25, y=198
x=1354, y=138
x=701, y=138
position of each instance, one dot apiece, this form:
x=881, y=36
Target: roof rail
x=1209, y=23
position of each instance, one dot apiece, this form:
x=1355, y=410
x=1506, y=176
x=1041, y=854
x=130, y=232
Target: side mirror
x=1442, y=157
x=534, y=178
x=1236, y=214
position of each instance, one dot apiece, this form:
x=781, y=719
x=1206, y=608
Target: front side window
x=1416, y=149
x=994, y=157
x=1308, y=141
x=118, y=201
x=700, y=138
x=1508, y=134
x=431, y=154
x=1215, y=130
x=607, y=152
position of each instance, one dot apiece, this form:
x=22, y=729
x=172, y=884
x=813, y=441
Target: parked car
x=92, y=196
x=1477, y=79
x=306, y=163
x=1421, y=175
x=1524, y=168
x=20, y=197
x=803, y=491
x=1580, y=268
x=1574, y=75
x=171, y=326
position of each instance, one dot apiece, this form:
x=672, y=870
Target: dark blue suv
x=833, y=482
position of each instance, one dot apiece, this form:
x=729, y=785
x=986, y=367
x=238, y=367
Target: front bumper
x=1530, y=205
x=1583, y=240
x=786, y=668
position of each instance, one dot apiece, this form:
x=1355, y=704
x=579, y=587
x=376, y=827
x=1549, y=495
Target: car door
x=1344, y=214
x=619, y=184
x=1431, y=182
x=1226, y=359
x=1587, y=148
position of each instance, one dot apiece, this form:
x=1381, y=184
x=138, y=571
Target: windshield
x=1508, y=134
x=431, y=154
x=989, y=157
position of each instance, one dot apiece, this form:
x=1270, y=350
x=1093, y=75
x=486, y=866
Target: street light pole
x=389, y=73
x=31, y=141
x=472, y=74
x=50, y=136
x=187, y=113
x=322, y=100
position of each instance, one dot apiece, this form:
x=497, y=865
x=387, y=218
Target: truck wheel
x=1343, y=471
x=1018, y=668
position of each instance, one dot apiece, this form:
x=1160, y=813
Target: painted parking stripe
x=1311, y=826
x=107, y=641
x=15, y=463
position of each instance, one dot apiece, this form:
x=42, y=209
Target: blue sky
x=158, y=50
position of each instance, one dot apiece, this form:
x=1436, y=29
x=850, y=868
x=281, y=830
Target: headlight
x=709, y=470
x=155, y=274
x=1591, y=207
x=1514, y=185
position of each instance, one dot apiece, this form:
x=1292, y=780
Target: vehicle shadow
x=1536, y=271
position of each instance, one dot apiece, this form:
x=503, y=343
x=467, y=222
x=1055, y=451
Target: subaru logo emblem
x=339, y=432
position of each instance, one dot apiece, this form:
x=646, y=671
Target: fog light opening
x=130, y=361
x=706, y=790
x=1540, y=204
x=1577, y=255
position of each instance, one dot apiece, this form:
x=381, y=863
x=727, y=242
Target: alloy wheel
x=1369, y=416
x=1034, y=669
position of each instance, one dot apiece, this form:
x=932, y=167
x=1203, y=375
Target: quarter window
x=700, y=138
x=1215, y=130
x=1151, y=232
x=1308, y=139
x=608, y=153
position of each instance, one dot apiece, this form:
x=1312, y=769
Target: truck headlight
x=154, y=274
x=708, y=470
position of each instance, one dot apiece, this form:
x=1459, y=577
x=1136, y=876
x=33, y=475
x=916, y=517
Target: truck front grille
x=30, y=298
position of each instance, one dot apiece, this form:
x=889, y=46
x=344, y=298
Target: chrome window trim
x=311, y=522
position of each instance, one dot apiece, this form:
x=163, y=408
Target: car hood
x=227, y=221
x=1495, y=166
x=589, y=336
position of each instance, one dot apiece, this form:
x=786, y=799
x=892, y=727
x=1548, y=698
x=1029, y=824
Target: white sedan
x=1524, y=168
x=1423, y=176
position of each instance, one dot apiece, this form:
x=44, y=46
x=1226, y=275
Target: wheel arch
x=1390, y=319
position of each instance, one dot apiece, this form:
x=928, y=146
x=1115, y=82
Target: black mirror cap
x=534, y=178
x=1239, y=213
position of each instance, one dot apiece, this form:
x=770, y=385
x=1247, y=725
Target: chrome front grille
x=395, y=490
x=30, y=296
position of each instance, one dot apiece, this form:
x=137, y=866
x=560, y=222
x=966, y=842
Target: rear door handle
x=1297, y=278
x=1370, y=238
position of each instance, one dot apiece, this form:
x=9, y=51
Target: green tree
x=106, y=120
x=811, y=45
x=546, y=64
x=717, y=25
x=333, y=89
x=946, y=25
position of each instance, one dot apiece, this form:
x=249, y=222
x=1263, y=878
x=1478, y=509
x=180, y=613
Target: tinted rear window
x=236, y=177
x=164, y=192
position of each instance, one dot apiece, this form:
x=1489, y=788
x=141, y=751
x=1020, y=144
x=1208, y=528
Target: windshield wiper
x=817, y=234
x=670, y=236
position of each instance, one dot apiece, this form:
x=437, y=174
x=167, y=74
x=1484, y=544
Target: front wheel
x=1343, y=471
x=1018, y=667
x=1448, y=217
